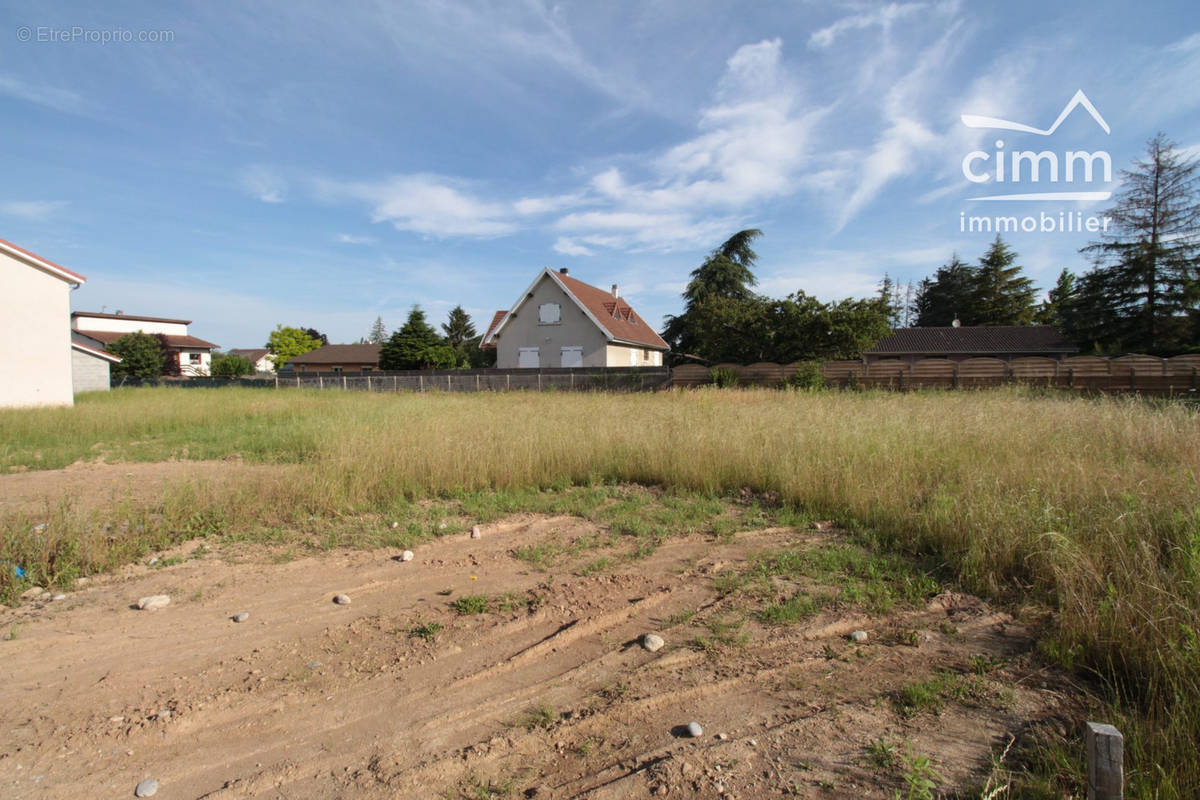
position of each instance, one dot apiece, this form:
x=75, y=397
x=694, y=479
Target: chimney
x=562, y=270
x=614, y=291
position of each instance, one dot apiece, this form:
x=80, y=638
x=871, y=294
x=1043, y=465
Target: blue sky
x=322, y=164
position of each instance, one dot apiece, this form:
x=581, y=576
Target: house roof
x=173, y=340
x=610, y=313
x=340, y=354
x=250, y=354
x=497, y=318
x=100, y=315
x=977, y=339
x=44, y=264
x=93, y=351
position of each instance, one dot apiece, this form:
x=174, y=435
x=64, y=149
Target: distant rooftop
x=100, y=315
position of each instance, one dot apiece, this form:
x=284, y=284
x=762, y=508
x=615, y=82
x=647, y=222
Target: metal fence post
x=343, y=383
x=1105, y=762
x=421, y=383
x=320, y=381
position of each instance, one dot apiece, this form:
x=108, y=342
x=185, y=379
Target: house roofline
x=44, y=264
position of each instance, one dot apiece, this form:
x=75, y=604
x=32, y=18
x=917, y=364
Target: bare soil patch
x=547, y=694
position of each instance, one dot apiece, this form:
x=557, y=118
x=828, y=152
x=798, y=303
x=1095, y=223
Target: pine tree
x=1056, y=308
x=458, y=327
x=1150, y=261
x=1003, y=296
x=714, y=298
x=378, y=333
x=411, y=346
x=951, y=294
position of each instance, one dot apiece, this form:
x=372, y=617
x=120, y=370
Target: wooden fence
x=1132, y=373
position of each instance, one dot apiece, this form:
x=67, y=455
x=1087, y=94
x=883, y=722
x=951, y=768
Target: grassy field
x=1087, y=508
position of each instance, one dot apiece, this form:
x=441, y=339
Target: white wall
x=35, y=336
x=130, y=325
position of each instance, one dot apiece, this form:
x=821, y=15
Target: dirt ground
x=547, y=695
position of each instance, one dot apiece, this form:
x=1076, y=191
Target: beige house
x=35, y=337
x=560, y=321
x=193, y=355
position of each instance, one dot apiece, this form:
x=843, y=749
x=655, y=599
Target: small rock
x=395, y=525
x=116, y=719
x=753, y=742
x=241, y=616
x=152, y=562
x=720, y=787
x=153, y=602
x=652, y=642
x=31, y=592
x=476, y=533
x=858, y=636
x=441, y=526
x=146, y=788
x=721, y=737
x=407, y=555
x=164, y=715
x=59, y=596
x=694, y=730
x=81, y=581
x=342, y=599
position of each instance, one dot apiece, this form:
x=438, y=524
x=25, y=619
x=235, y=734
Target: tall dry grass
x=1091, y=507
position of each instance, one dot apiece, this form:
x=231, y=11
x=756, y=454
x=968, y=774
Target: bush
x=723, y=377
x=227, y=365
x=808, y=376
x=141, y=355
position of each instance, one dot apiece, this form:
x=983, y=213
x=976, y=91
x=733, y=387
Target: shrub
x=723, y=377
x=808, y=376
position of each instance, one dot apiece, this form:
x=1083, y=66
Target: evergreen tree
x=378, y=333
x=952, y=293
x=408, y=348
x=715, y=296
x=458, y=327
x=142, y=356
x=1002, y=295
x=1150, y=260
x=1056, y=308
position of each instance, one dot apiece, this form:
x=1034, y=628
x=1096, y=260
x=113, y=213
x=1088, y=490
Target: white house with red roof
x=35, y=331
x=192, y=354
x=560, y=321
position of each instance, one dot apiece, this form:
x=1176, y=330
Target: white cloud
x=571, y=247
x=432, y=205
x=881, y=17
x=264, y=184
x=529, y=206
x=346, y=238
x=48, y=96
x=33, y=210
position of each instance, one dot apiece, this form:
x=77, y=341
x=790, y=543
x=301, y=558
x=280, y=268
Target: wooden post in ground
x=1105, y=762
x=320, y=381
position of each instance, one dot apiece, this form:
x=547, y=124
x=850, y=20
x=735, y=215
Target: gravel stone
x=59, y=596
x=476, y=533
x=407, y=555
x=652, y=642
x=342, y=599
x=858, y=636
x=694, y=730
x=722, y=737
x=146, y=788
x=241, y=616
x=154, y=601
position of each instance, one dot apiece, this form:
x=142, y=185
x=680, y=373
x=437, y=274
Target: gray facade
x=88, y=373
x=525, y=330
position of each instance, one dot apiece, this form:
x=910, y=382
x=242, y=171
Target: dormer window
x=549, y=314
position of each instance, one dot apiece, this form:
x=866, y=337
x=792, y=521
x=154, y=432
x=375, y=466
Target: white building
x=259, y=357
x=191, y=354
x=90, y=365
x=35, y=337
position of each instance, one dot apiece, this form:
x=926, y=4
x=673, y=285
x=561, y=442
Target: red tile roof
x=497, y=318
x=43, y=262
x=173, y=340
x=615, y=315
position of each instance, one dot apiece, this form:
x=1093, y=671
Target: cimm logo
x=1025, y=169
